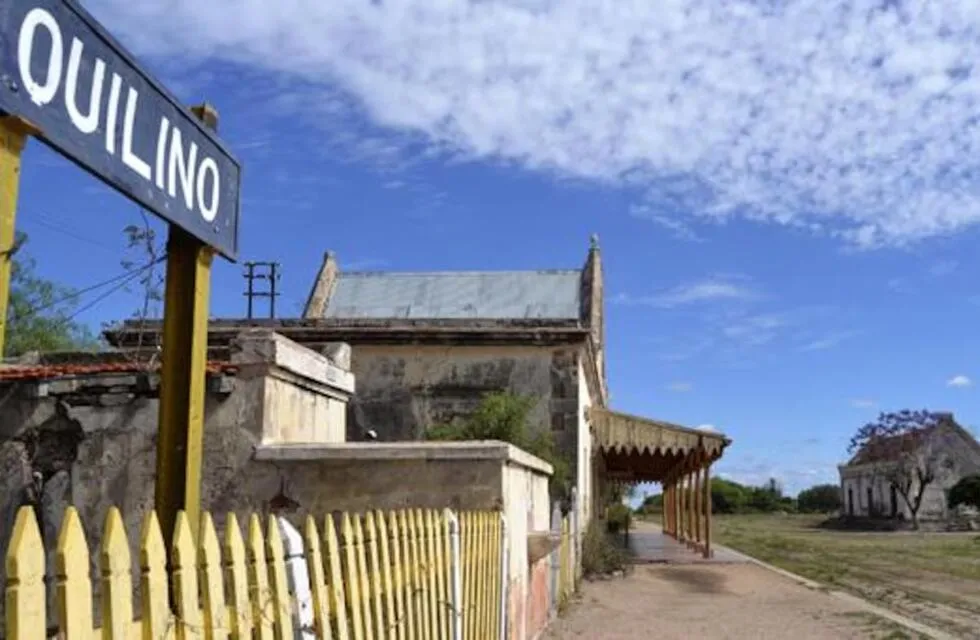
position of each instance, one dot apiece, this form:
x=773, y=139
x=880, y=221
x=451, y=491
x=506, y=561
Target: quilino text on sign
x=91, y=101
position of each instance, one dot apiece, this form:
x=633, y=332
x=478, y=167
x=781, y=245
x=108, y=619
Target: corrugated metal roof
x=454, y=295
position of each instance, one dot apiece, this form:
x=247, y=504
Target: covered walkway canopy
x=632, y=449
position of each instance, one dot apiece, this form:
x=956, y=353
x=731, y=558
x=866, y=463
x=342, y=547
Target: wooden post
x=13, y=137
x=680, y=508
x=183, y=373
x=707, y=511
x=697, y=507
x=690, y=509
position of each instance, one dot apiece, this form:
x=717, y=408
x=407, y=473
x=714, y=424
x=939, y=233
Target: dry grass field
x=931, y=577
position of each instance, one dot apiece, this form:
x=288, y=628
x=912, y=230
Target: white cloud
x=828, y=342
x=707, y=290
x=757, y=329
x=707, y=427
x=680, y=387
x=959, y=381
x=851, y=119
x=863, y=403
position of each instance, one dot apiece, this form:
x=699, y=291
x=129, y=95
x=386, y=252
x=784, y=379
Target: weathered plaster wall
x=527, y=509
x=401, y=390
x=585, y=466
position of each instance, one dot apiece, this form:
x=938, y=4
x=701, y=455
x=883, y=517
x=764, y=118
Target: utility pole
x=270, y=272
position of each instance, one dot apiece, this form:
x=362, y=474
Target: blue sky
x=788, y=229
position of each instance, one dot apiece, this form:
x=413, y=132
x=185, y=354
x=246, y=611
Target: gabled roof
x=501, y=295
x=892, y=448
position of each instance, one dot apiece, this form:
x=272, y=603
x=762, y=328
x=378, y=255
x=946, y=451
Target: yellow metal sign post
x=183, y=371
x=13, y=136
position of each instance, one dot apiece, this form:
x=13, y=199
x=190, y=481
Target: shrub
x=600, y=555
x=822, y=498
x=504, y=416
x=618, y=518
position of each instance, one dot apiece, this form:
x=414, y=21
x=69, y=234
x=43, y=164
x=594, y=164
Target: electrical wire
x=111, y=291
x=123, y=279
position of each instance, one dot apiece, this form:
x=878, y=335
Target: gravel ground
x=691, y=602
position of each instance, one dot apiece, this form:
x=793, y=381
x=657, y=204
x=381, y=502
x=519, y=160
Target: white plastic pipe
x=455, y=577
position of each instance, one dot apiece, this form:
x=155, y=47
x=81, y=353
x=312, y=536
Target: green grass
x=932, y=577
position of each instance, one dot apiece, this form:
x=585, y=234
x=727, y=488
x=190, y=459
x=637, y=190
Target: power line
x=108, y=293
x=125, y=278
x=47, y=222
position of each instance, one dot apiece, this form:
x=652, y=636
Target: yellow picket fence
x=566, y=562
x=386, y=575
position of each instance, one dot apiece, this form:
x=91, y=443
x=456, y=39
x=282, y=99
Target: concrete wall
x=527, y=510
x=401, y=390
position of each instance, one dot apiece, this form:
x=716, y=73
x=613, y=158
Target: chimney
x=323, y=286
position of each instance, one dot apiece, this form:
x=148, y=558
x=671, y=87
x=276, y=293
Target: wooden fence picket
x=413, y=565
x=398, y=566
x=25, y=599
x=263, y=608
x=212, y=583
x=318, y=582
x=375, y=571
x=236, y=576
x=387, y=575
x=335, y=571
x=74, y=584
x=117, y=588
x=156, y=618
x=352, y=582
x=275, y=556
x=360, y=546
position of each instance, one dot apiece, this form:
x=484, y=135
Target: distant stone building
x=866, y=490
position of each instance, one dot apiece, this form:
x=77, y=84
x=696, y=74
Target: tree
x=504, y=416
x=822, y=498
x=40, y=313
x=150, y=275
x=727, y=496
x=766, y=498
x=965, y=492
x=899, y=448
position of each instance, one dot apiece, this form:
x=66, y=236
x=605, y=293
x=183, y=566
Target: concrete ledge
x=887, y=614
x=474, y=450
x=266, y=348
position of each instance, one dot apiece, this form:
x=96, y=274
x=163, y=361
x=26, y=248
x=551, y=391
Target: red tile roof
x=12, y=373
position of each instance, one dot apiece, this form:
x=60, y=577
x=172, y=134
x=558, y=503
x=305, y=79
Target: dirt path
x=712, y=602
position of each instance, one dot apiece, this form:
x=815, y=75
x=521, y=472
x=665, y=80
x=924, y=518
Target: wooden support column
x=707, y=511
x=183, y=372
x=13, y=137
x=681, y=509
x=698, y=520
x=671, y=510
x=690, y=509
